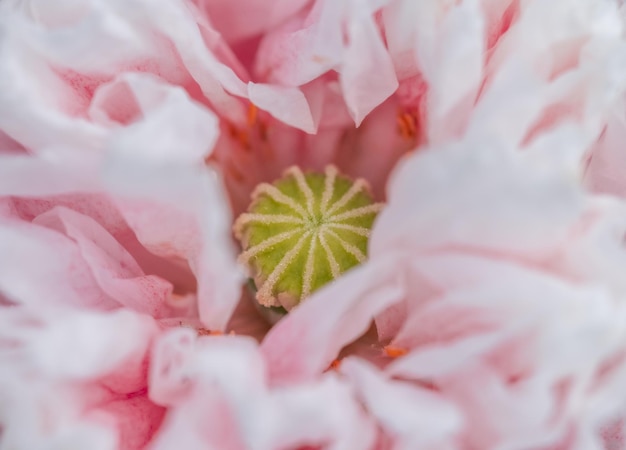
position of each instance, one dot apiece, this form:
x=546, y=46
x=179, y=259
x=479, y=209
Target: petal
x=98, y=352
x=305, y=342
x=181, y=130
x=456, y=73
x=137, y=419
x=82, y=368
x=301, y=417
x=367, y=75
x=460, y=188
x=305, y=47
x=415, y=417
x=117, y=273
x=260, y=16
x=603, y=174
x=41, y=266
x=44, y=177
x=226, y=402
x=287, y=104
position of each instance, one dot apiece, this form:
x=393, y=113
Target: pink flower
x=490, y=314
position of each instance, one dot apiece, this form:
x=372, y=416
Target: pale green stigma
x=303, y=231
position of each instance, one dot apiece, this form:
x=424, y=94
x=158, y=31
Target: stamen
x=252, y=114
x=395, y=352
x=407, y=125
x=334, y=365
x=206, y=332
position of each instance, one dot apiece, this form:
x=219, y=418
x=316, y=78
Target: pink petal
x=181, y=131
x=302, y=418
x=260, y=16
x=56, y=352
x=137, y=419
x=303, y=48
x=287, y=104
x=194, y=425
x=367, y=74
x=305, y=342
x=530, y=219
x=182, y=363
x=44, y=265
x=218, y=389
x=457, y=70
x=83, y=371
x=45, y=177
x=415, y=417
x=117, y=273
x=603, y=172
x=100, y=208
x=194, y=224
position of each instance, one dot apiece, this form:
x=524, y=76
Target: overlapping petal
x=149, y=188
x=230, y=405
x=73, y=379
x=496, y=259
x=491, y=313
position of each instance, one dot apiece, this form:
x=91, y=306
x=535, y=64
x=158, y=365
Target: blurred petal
x=306, y=341
x=85, y=374
x=414, y=416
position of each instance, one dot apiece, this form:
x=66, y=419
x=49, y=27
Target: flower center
x=303, y=231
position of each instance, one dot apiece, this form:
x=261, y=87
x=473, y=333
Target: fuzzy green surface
x=326, y=236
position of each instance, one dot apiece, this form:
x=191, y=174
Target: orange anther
x=206, y=332
x=407, y=125
x=252, y=114
x=335, y=364
x=395, y=352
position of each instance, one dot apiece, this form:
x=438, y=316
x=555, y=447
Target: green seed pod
x=303, y=231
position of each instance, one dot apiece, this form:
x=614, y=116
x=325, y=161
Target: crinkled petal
x=85, y=371
x=414, y=416
x=116, y=272
x=229, y=405
x=305, y=342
